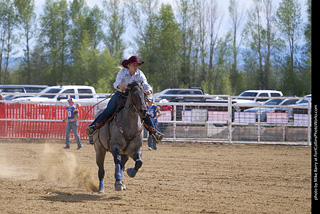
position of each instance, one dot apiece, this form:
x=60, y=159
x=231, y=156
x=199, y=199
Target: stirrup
x=155, y=139
x=90, y=131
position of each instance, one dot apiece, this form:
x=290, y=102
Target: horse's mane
x=134, y=84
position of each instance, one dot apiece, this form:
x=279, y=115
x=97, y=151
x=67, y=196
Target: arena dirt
x=42, y=177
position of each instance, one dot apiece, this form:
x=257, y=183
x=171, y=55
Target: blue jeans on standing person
x=74, y=127
x=151, y=143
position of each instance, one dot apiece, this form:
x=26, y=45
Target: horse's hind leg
x=100, y=156
x=133, y=171
x=118, y=173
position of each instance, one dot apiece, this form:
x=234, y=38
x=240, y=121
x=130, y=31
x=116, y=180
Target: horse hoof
x=118, y=186
x=124, y=187
x=101, y=187
x=101, y=191
x=132, y=172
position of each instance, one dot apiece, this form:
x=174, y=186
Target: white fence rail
x=224, y=122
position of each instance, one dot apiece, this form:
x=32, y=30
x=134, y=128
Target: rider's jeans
x=111, y=107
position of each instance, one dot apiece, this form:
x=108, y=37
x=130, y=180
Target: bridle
x=136, y=111
x=132, y=104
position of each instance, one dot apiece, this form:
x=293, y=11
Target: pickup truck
x=250, y=98
x=62, y=93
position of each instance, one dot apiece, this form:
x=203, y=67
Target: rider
x=129, y=74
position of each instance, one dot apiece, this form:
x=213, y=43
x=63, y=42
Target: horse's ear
x=130, y=85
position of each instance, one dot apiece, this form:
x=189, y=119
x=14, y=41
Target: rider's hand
x=122, y=88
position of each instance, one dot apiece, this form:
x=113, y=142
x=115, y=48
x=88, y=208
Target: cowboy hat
x=133, y=59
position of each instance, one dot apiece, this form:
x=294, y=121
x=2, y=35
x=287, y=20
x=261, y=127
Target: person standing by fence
x=154, y=112
x=72, y=118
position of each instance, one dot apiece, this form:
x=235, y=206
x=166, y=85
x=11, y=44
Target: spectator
x=154, y=112
x=72, y=118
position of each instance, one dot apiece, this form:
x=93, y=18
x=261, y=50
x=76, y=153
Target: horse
x=122, y=136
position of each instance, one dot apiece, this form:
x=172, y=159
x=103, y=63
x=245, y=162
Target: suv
x=180, y=95
x=19, y=90
x=62, y=93
x=258, y=96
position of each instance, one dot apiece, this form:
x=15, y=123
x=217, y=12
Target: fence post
x=259, y=122
x=309, y=122
x=230, y=118
x=175, y=123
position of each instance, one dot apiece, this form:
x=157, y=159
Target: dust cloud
x=64, y=167
x=6, y=170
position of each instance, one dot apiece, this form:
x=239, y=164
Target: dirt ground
x=42, y=177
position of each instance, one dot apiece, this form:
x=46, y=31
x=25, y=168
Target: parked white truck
x=80, y=94
x=252, y=97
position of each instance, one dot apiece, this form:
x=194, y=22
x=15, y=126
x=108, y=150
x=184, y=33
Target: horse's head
x=137, y=96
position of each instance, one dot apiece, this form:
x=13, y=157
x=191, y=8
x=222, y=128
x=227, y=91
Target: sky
x=223, y=5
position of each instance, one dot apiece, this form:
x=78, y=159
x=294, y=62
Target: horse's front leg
x=100, y=156
x=118, y=172
x=124, y=159
x=137, y=158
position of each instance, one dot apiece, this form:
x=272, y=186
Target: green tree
x=115, y=18
x=307, y=31
x=261, y=37
x=289, y=21
x=26, y=19
x=236, y=16
x=169, y=40
x=146, y=27
x=186, y=21
x=94, y=22
x=108, y=68
x=85, y=36
x=78, y=12
x=8, y=22
x=54, y=32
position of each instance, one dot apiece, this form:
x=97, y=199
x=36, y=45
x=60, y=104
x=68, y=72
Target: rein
x=124, y=135
x=85, y=117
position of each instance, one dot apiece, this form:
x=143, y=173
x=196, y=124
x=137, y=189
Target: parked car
x=162, y=96
x=264, y=109
x=251, y=97
x=19, y=89
x=62, y=93
x=294, y=110
x=13, y=97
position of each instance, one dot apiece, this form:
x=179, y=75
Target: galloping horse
x=123, y=137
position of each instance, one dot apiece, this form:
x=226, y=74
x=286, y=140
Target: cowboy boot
x=91, y=130
x=156, y=135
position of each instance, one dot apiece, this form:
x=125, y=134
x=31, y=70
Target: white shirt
x=124, y=78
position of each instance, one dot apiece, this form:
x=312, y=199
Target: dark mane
x=134, y=84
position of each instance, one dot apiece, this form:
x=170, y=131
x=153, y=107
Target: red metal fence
x=22, y=120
